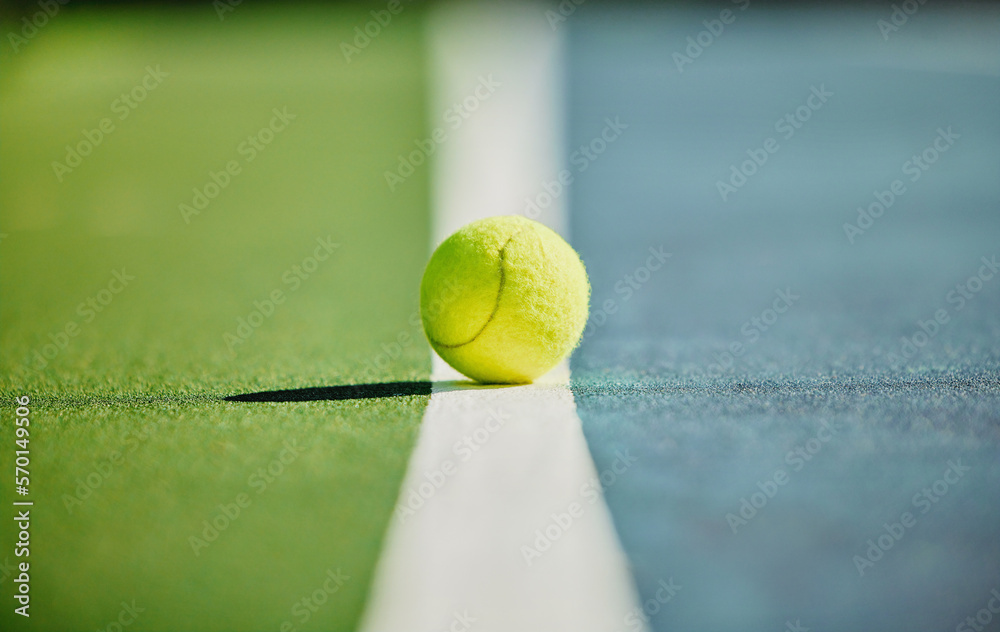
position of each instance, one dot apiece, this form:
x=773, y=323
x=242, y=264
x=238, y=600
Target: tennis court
x=785, y=410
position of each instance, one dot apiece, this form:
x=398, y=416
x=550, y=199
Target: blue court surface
x=790, y=387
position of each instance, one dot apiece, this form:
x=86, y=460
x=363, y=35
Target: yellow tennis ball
x=504, y=299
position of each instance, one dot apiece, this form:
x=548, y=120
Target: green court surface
x=134, y=453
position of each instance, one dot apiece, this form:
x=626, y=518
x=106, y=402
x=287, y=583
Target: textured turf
x=132, y=446
x=765, y=326
x=855, y=454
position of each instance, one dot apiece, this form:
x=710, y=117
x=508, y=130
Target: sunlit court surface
x=220, y=411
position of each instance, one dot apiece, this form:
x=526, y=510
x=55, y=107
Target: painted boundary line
x=494, y=465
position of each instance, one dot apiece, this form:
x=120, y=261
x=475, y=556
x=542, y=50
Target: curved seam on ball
x=496, y=307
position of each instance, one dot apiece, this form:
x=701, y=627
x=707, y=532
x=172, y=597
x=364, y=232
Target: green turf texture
x=144, y=378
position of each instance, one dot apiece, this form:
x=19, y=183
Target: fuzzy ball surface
x=504, y=299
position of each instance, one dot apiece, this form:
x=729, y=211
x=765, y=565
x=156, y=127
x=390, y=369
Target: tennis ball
x=504, y=299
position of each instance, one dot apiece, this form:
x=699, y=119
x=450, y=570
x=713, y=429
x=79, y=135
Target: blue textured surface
x=653, y=378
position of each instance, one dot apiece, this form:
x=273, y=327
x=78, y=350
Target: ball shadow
x=356, y=391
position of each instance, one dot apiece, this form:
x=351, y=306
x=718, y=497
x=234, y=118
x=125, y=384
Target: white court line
x=453, y=557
